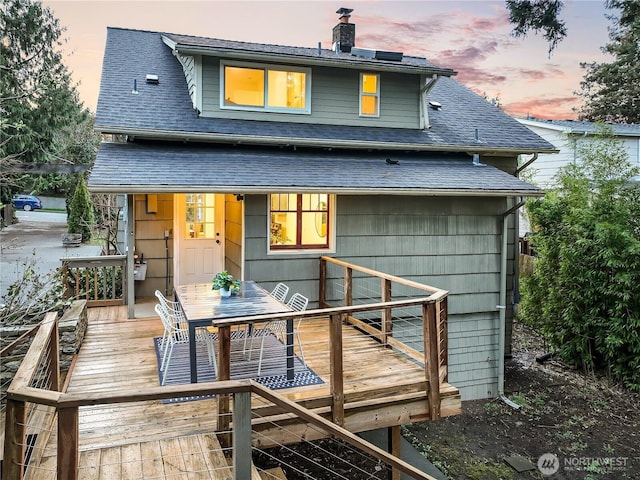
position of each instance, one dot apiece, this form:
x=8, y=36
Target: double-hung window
x=300, y=221
x=269, y=88
x=369, y=95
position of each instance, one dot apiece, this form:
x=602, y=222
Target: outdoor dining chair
x=297, y=302
x=177, y=332
x=280, y=292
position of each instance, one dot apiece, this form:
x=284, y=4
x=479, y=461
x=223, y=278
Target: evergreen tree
x=538, y=16
x=80, y=218
x=37, y=98
x=584, y=292
x=611, y=90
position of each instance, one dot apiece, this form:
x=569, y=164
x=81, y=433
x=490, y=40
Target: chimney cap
x=344, y=12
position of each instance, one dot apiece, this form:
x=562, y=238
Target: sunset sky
x=472, y=37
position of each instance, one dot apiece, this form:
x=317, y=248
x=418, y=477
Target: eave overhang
x=270, y=140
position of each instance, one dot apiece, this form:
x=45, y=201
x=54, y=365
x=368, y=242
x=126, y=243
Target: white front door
x=199, y=238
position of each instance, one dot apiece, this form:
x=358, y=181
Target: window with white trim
x=300, y=221
x=369, y=95
x=269, y=88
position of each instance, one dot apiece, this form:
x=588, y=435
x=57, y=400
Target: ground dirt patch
x=582, y=419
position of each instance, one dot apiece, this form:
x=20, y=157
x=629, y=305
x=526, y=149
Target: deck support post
x=68, y=454
x=14, y=439
x=394, y=449
x=336, y=363
x=242, y=435
x=224, y=373
x=387, y=317
x=430, y=334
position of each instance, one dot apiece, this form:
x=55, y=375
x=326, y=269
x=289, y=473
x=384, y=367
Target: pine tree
x=80, y=219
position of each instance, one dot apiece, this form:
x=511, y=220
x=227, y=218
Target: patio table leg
x=290, y=367
x=192, y=353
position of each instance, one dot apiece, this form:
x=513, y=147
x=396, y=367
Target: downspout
x=502, y=308
x=526, y=164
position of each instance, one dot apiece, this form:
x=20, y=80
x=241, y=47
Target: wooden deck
x=382, y=388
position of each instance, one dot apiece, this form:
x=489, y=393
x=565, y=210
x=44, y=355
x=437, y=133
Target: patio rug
x=273, y=373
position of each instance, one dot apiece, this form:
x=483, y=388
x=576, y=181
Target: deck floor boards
x=156, y=440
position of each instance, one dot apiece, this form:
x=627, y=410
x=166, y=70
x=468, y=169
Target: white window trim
x=377, y=95
x=303, y=251
x=266, y=67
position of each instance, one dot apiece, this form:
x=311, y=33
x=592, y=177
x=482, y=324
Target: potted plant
x=224, y=282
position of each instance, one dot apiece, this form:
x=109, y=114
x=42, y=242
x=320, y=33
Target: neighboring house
x=566, y=135
x=260, y=158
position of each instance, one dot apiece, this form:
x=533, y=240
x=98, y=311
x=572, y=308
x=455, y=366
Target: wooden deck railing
x=36, y=388
x=339, y=285
x=99, y=280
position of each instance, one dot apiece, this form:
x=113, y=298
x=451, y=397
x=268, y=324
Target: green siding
x=453, y=243
x=334, y=99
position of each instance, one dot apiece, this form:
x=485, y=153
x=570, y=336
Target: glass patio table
x=203, y=306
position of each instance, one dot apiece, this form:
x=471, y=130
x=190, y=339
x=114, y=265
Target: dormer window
x=269, y=88
x=369, y=95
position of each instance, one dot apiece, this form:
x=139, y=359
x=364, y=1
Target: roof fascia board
x=170, y=135
x=548, y=126
x=253, y=190
x=320, y=61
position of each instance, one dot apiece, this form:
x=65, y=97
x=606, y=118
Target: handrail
x=375, y=273
x=95, y=279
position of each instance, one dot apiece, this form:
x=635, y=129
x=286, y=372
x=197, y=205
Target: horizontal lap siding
x=334, y=99
x=452, y=243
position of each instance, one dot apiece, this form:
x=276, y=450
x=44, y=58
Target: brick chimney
x=344, y=33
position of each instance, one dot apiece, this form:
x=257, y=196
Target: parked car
x=26, y=202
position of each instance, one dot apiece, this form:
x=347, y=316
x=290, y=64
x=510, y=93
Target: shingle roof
x=190, y=43
x=166, y=109
x=151, y=167
x=580, y=127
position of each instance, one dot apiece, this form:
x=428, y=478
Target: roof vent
x=377, y=54
x=435, y=105
x=152, y=79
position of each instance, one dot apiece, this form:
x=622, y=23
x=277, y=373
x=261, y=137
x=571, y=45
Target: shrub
x=80, y=218
x=584, y=291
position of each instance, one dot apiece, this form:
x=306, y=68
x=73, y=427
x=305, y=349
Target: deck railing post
x=443, y=335
x=430, y=333
x=337, y=368
x=53, y=358
x=348, y=286
x=242, y=435
x=68, y=454
x=14, y=439
x=386, y=321
x=224, y=373
x=322, y=288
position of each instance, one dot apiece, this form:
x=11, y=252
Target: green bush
x=80, y=218
x=585, y=291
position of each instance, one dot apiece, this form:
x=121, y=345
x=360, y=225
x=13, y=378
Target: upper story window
x=369, y=95
x=269, y=88
x=300, y=221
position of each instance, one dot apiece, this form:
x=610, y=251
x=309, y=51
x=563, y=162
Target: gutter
x=503, y=307
x=526, y=164
x=175, y=135
x=254, y=190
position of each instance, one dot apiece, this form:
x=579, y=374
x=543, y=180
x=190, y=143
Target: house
x=259, y=158
x=566, y=135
